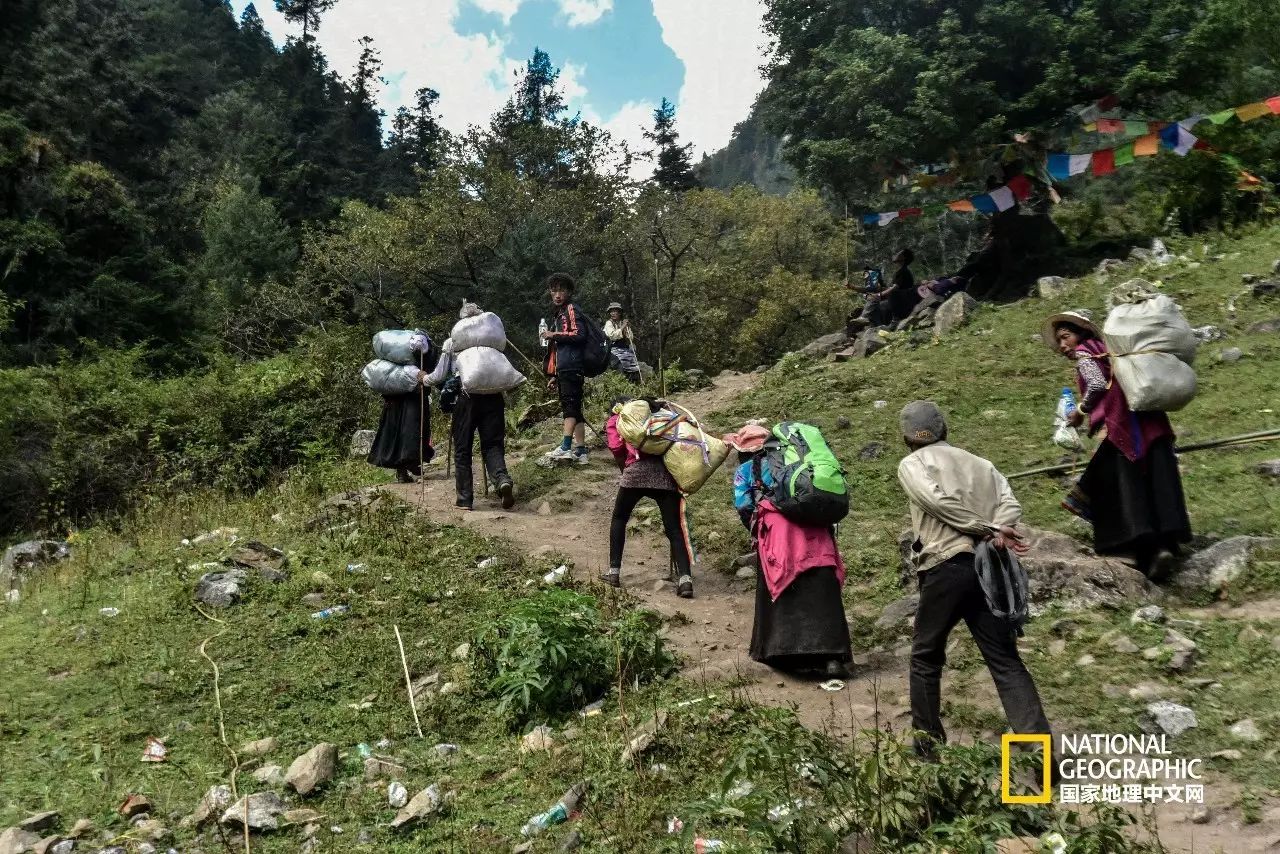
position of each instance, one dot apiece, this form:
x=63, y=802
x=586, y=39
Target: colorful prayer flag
x=1221, y=118
x=1060, y=166
x=1110, y=126
x=963, y=205
x=1249, y=112
x=1135, y=128
x=1124, y=154
x=1273, y=104
x=871, y=219
x=906, y=212
x=1091, y=127
x=985, y=204
x=1080, y=163
x=1003, y=197
x=1146, y=146
x=886, y=218
x=1104, y=162
x=1021, y=187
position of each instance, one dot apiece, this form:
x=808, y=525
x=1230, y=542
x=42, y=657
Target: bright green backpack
x=808, y=483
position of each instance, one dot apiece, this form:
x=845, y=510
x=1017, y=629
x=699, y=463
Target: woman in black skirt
x=1131, y=491
x=800, y=624
x=403, y=440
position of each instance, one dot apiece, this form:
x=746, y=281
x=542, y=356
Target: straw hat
x=1078, y=317
x=613, y=306
x=748, y=440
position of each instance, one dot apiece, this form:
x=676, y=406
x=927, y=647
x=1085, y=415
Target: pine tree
x=675, y=168
x=306, y=12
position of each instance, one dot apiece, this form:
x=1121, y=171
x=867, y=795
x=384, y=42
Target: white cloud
x=628, y=125
x=722, y=45
x=570, y=82
x=580, y=13
x=504, y=8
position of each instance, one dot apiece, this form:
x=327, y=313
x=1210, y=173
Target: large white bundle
x=386, y=377
x=1152, y=348
x=483, y=330
x=396, y=345
x=693, y=457
x=485, y=370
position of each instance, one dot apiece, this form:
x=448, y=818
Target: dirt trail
x=712, y=631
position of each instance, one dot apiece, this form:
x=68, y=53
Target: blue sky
x=618, y=58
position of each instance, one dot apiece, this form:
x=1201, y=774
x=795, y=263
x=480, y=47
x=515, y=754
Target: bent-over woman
x=1131, y=490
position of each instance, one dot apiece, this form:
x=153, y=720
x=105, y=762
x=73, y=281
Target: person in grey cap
x=958, y=500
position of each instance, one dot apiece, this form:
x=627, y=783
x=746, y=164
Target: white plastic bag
x=399, y=345
x=1152, y=349
x=484, y=370
x=483, y=330
x=387, y=377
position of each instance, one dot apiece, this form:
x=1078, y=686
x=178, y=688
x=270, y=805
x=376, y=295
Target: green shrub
x=553, y=652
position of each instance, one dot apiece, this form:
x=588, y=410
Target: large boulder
x=956, y=312
x=1060, y=568
x=312, y=769
x=22, y=561
x=1215, y=568
x=898, y=613
x=1054, y=287
x=362, y=442
x=260, y=811
x=15, y=840
x=820, y=347
x=221, y=589
x=868, y=343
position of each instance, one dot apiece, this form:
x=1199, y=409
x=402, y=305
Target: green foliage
x=673, y=170
x=553, y=653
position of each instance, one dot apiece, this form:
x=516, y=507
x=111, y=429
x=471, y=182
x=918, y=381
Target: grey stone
x=221, y=589
x=1265, y=327
x=1171, y=718
x=1182, y=660
x=260, y=811
x=750, y=560
x=1107, y=266
x=312, y=769
x=382, y=769
x=65, y=846
x=1231, y=354
x=462, y=651
x=271, y=775
x=1268, y=468
x=261, y=747
x=1199, y=814
x=15, y=840
x=1054, y=287
x=1245, y=730
x=427, y=803
x=820, y=347
x=1124, y=645
x=1216, y=567
x=1148, y=692
x=22, y=561
x=744, y=573
x=40, y=821
x=1147, y=614
x=1059, y=568
x=896, y=613
x=956, y=312
x=1205, y=334
x=538, y=740
x=211, y=805
x=1266, y=288
x=843, y=423
x=871, y=451
x=868, y=343
x=362, y=442
x=1230, y=755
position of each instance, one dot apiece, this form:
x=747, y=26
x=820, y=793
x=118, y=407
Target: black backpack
x=450, y=392
x=595, y=349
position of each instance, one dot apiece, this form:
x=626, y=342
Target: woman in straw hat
x=799, y=617
x=622, y=344
x=1131, y=490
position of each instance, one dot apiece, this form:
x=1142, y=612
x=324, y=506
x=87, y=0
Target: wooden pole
x=1229, y=442
x=422, y=427
x=408, y=683
x=662, y=344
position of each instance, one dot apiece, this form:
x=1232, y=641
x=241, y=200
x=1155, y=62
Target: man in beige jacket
x=957, y=501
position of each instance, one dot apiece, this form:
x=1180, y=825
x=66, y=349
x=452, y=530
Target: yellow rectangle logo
x=1046, y=790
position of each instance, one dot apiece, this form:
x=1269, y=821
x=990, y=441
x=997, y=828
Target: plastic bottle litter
x=329, y=612
x=1064, y=435
x=397, y=795
x=364, y=750
x=356, y=568
x=700, y=845
x=542, y=327
x=880, y=404
x=592, y=709
x=109, y=612
x=556, y=575
x=486, y=563
x=559, y=812
x=155, y=751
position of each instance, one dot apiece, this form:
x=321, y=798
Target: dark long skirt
x=806, y=627
x=1137, y=507
x=396, y=444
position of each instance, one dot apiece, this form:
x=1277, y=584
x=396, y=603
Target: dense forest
x=200, y=228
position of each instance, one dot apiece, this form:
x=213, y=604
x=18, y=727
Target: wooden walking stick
x=422, y=426
x=408, y=683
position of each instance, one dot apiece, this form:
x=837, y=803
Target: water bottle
x=1066, y=403
x=542, y=821
x=542, y=327
x=329, y=612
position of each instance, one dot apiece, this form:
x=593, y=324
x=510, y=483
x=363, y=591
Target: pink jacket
x=623, y=453
x=787, y=549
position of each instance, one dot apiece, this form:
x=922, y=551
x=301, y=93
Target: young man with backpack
x=958, y=501
x=576, y=349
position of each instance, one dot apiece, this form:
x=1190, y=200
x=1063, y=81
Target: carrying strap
x=1004, y=584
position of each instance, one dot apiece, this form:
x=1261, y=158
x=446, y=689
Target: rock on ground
x=264, y=810
x=15, y=840
x=1060, y=568
x=214, y=802
x=897, y=613
x=425, y=804
x=362, y=442
x=820, y=347
x=40, y=821
x=1268, y=468
x=1265, y=327
x=1171, y=718
x=221, y=589
x=1245, y=730
x=538, y=739
x=956, y=312
x=261, y=747
x=312, y=769
x=1222, y=563
x=22, y=561
x=1231, y=354
x=1054, y=287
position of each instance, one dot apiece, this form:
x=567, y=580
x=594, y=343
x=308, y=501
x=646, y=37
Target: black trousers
x=484, y=414
x=671, y=505
x=949, y=593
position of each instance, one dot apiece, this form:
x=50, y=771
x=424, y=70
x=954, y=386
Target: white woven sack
x=483, y=330
x=1152, y=349
x=392, y=345
x=387, y=377
x=484, y=370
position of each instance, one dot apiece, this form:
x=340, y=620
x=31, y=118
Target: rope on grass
x=222, y=726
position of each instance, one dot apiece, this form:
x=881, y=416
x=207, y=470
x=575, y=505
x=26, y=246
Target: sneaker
x=559, y=453
x=507, y=492
x=684, y=589
x=460, y=506
x=613, y=577
x=582, y=458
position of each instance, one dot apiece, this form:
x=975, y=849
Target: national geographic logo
x=1104, y=768
x=1046, y=746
